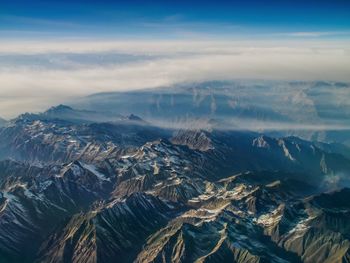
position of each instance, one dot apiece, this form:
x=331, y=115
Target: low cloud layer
x=36, y=75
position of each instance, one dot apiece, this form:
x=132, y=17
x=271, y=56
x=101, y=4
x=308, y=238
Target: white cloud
x=29, y=88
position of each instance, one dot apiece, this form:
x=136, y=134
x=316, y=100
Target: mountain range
x=81, y=185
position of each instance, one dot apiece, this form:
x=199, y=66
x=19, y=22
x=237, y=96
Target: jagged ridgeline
x=91, y=186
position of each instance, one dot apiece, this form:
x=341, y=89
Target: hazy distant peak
x=133, y=117
x=59, y=108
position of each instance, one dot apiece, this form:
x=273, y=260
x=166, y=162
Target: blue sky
x=174, y=19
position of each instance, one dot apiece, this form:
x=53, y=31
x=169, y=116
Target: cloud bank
x=36, y=75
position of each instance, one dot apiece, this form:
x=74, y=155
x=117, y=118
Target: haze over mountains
x=111, y=177
x=312, y=110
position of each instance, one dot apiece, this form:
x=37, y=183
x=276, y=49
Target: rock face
x=129, y=192
x=197, y=140
x=115, y=230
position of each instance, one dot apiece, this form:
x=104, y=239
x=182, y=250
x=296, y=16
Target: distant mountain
x=311, y=110
x=335, y=148
x=66, y=113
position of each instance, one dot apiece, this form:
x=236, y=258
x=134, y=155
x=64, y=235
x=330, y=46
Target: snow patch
x=93, y=170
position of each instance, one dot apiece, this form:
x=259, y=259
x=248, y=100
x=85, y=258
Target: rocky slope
x=37, y=139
